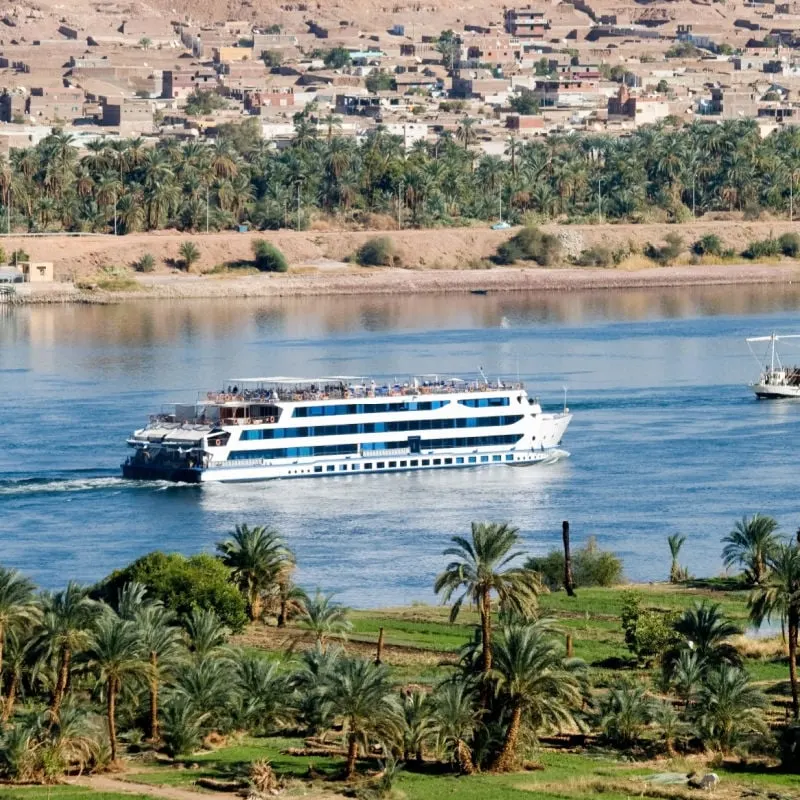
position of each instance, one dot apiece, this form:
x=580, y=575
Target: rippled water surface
x=665, y=438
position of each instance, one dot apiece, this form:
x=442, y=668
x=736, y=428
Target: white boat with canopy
x=776, y=380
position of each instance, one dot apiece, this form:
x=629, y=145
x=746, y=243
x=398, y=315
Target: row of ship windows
x=352, y=449
x=414, y=462
x=379, y=427
x=382, y=408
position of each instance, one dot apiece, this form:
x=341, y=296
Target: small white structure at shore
x=27, y=272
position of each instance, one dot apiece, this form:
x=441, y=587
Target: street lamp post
x=599, y=202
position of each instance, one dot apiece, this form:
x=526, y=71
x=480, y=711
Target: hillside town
x=107, y=71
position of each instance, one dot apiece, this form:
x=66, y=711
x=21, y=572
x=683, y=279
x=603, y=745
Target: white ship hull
x=771, y=391
x=389, y=463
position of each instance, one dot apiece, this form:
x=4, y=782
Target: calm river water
x=665, y=438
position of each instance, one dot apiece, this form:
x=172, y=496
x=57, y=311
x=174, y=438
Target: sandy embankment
x=434, y=261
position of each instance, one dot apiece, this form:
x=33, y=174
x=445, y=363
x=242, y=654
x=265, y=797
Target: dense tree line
x=657, y=172
x=85, y=671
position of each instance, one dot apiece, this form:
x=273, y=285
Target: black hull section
x=144, y=472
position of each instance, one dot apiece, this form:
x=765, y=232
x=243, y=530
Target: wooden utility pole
x=569, y=585
x=379, y=654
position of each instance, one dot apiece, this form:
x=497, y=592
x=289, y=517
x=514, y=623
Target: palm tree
x=779, y=596
x=18, y=652
x=687, y=676
x=65, y=631
x=418, y=724
x=675, y=542
x=190, y=253
x=362, y=698
x=624, y=714
x=205, y=632
x=256, y=557
x=17, y=606
x=161, y=645
x=481, y=568
x=668, y=722
x=706, y=631
x=465, y=133
x=182, y=729
x=750, y=544
x=311, y=683
x=324, y=618
x=263, y=691
x=286, y=600
x=207, y=686
x=731, y=708
x=114, y=653
x=534, y=681
x=456, y=717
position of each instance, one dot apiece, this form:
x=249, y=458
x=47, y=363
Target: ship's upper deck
x=299, y=390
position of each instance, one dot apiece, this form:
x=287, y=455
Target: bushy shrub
x=190, y=254
x=708, y=245
x=530, y=244
x=790, y=244
x=591, y=566
x=269, y=258
x=508, y=253
x=763, y=248
x=668, y=252
x=376, y=252
x=183, y=584
x=649, y=634
x=597, y=256
x=146, y=263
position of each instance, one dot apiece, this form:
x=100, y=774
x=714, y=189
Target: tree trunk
x=10, y=698
x=255, y=608
x=793, y=623
x=111, y=690
x=282, y=614
x=154, y=698
x=61, y=682
x=505, y=758
x=352, y=752
x=568, y=582
x=466, y=766
x=379, y=653
x=486, y=631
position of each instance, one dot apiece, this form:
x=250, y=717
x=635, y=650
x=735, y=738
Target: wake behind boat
x=776, y=381
x=263, y=428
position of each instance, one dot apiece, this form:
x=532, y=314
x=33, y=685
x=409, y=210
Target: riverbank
x=358, y=281
x=432, y=261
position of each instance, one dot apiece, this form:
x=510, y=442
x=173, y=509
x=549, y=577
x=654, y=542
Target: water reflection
x=158, y=322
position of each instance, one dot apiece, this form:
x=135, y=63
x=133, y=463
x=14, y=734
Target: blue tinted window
x=485, y=402
x=368, y=408
x=381, y=427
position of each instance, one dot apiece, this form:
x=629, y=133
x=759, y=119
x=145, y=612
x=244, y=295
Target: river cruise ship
x=264, y=428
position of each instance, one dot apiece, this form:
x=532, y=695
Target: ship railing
x=337, y=393
x=399, y=451
x=238, y=462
